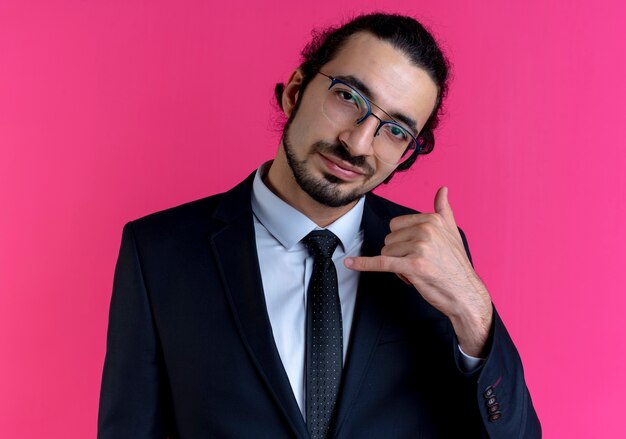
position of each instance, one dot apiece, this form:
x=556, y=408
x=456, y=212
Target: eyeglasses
x=345, y=106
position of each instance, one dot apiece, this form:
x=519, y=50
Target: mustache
x=340, y=151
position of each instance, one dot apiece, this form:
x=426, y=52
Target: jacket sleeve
x=502, y=397
x=133, y=381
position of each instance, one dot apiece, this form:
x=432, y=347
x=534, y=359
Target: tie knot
x=321, y=243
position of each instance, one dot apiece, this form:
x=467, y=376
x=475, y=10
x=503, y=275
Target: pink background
x=111, y=110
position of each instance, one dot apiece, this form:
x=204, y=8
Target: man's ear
x=291, y=94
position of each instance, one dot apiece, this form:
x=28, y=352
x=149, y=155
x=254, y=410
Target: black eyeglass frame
x=409, y=151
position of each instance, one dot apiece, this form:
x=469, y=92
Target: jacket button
x=495, y=416
x=494, y=408
x=491, y=401
x=488, y=392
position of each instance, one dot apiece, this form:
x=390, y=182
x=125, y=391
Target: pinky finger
x=374, y=263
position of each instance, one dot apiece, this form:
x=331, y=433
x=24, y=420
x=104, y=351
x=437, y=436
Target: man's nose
x=359, y=139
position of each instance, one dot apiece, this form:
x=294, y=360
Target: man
x=299, y=304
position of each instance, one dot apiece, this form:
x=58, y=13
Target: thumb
x=442, y=206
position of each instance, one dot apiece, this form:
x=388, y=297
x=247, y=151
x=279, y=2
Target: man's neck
x=284, y=185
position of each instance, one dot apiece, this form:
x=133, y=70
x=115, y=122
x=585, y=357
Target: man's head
x=389, y=60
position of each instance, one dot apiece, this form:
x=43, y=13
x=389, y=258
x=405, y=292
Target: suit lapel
x=366, y=324
x=234, y=248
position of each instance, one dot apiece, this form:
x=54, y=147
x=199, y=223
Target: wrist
x=472, y=327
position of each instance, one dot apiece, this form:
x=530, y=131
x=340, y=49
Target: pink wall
x=111, y=110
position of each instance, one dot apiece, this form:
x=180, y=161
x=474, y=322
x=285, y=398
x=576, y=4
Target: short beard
x=325, y=191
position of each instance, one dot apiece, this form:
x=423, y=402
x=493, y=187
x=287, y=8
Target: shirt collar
x=288, y=225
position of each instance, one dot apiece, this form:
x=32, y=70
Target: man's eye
x=346, y=96
x=398, y=133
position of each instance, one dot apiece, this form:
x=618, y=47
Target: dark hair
x=403, y=33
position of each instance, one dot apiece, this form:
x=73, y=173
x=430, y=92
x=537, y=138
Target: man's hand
x=426, y=250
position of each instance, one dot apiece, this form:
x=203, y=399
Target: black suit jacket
x=190, y=351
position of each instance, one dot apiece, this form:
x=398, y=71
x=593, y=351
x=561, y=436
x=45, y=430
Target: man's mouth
x=340, y=168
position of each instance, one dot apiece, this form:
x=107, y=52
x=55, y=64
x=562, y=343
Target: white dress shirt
x=286, y=268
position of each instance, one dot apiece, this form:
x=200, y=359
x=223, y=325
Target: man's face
x=335, y=163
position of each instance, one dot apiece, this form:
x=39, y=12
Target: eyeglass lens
x=345, y=106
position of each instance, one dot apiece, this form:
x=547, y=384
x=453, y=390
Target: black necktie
x=324, y=352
